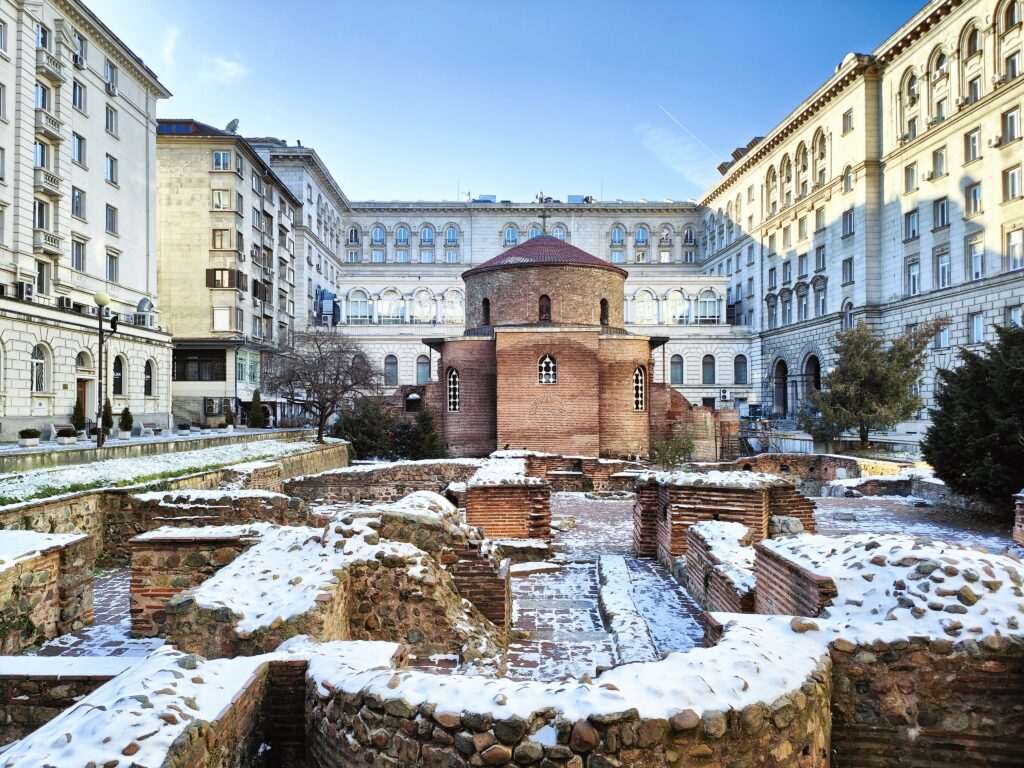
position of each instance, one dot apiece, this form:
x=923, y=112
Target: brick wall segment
x=785, y=587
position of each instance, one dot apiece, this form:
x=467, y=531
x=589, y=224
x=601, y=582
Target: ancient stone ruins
x=298, y=611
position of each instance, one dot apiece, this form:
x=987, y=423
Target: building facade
x=227, y=267
x=890, y=196
x=77, y=218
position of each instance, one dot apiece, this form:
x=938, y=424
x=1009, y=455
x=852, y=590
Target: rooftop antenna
x=232, y=126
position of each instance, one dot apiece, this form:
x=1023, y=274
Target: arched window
x=707, y=369
x=402, y=236
x=118, y=379
x=644, y=309
x=377, y=234
x=665, y=238
x=427, y=235
x=353, y=236
x=847, y=179
x=454, y=393
x=547, y=370
x=392, y=307
x=688, y=236
x=677, y=370
x=677, y=308
x=941, y=64
x=1011, y=17
x=820, y=152
x=422, y=369
x=534, y=232
x=559, y=232
x=604, y=312
x=616, y=235
x=413, y=403
x=739, y=370
x=847, y=315
x=423, y=307
x=40, y=369
x=708, y=307
x=640, y=236
x=511, y=235
x=544, y=308
x=147, y=379
x=451, y=236
x=453, y=308
x=390, y=371
x=485, y=308
x=639, y=389
x=359, y=307
x=912, y=88
x=973, y=42
x=83, y=360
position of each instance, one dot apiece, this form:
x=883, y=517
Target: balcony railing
x=46, y=242
x=49, y=65
x=46, y=183
x=48, y=125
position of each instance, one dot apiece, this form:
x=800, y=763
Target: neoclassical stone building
x=77, y=217
x=889, y=196
x=546, y=363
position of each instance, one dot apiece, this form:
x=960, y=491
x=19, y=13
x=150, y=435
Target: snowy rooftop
x=742, y=480
x=18, y=546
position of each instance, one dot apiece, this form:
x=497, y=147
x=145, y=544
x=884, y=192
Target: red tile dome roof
x=543, y=250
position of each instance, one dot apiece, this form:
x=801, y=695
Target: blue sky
x=426, y=100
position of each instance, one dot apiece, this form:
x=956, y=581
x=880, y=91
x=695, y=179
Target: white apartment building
x=891, y=195
x=77, y=218
x=227, y=268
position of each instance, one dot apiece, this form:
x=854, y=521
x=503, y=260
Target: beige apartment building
x=892, y=194
x=226, y=267
x=77, y=218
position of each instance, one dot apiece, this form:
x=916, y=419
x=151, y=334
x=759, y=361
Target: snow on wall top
x=373, y=466
x=741, y=480
x=891, y=587
x=503, y=472
x=737, y=561
x=208, y=495
x=207, y=532
x=18, y=546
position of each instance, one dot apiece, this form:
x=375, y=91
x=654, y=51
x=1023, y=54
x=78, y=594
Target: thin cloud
x=223, y=70
x=680, y=153
x=169, y=43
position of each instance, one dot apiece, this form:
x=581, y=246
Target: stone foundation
x=510, y=511
x=811, y=466
x=48, y=594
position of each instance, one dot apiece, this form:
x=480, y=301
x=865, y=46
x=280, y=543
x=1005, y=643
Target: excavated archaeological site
x=519, y=610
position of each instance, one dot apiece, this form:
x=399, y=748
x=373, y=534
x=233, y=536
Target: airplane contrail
x=689, y=132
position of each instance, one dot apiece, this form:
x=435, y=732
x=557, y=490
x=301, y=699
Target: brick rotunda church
x=545, y=364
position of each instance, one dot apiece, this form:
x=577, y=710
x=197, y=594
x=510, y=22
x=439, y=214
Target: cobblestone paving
x=108, y=635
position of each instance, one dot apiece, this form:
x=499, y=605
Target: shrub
x=78, y=415
x=378, y=432
x=257, y=418
x=669, y=454
x=126, y=421
x=229, y=416
x=29, y=434
x=184, y=427
x=108, y=417
x=65, y=432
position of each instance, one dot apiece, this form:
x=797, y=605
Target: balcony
x=268, y=309
x=44, y=241
x=46, y=183
x=49, y=66
x=48, y=125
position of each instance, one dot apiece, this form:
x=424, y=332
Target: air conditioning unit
x=932, y=121
x=111, y=89
x=325, y=321
x=928, y=175
x=995, y=141
x=963, y=101
x=904, y=138
x=78, y=60
x=26, y=290
x=723, y=394
x=937, y=74
x=999, y=79
x=94, y=311
x=64, y=302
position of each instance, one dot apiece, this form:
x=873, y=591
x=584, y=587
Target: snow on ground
x=633, y=641
x=48, y=446
x=23, y=485
x=724, y=542
x=16, y=546
x=542, y=566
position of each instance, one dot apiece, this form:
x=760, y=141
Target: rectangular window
x=78, y=96
x=1015, y=316
x=402, y=257
x=973, y=90
x=3, y=101
x=847, y=271
x=910, y=178
x=819, y=258
x=451, y=257
x=1012, y=65
x=353, y=257
x=1011, y=125
x=787, y=272
x=771, y=245
x=257, y=219
x=110, y=73
x=819, y=219
x=912, y=278
x=801, y=265
x=848, y=222
x=111, y=220
x=377, y=256
x=41, y=155
x=939, y=162
x=940, y=213
x=221, y=239
x=940, y=110
x=801, y=228
x=912, y=128
x=821, y=302
x=42, y=37
x=426, y=257
x=802, y=305
x=78, y=255
x=42, y=276
x=976, y=328
x=221, y=200
x=1011, y=184
x=77, y=203
x=750, y=287
x=787, y=312
x=42, y=97
x=110, y=122
x=976, y=260
x=113, y=267
x=750, y=255
x=41, y=214
x=943, y=269
x=1015, y=249
x=221, y=160
x=110, y=169
x=910, y=227
x=641, y=257
x=972, y=199
x=942, y=337
x=787, y=237
x=3, y=36
x=972, y=146
x=772, y=282
x=221, y=319
x=848, y=121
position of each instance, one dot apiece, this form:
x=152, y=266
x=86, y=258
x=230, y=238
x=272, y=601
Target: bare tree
x=320, y=372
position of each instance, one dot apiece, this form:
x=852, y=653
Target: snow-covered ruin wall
x=381, y=481
x=719, y=564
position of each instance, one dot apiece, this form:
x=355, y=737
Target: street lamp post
x=102, y=300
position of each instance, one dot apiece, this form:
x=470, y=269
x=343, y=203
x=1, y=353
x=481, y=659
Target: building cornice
x=519, y=209
x=309, y=159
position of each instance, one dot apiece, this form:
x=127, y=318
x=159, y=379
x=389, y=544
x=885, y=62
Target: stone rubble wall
x=928, y=703
x=785, y=587
x=46, y=596
x=810, y=466
x=708, y=586
x=387, y=483
x=28, y=701
x=162, y=568
x=348, y=729
x=510, y=511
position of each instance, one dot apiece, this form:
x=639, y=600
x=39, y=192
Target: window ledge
x=847, y=236
x=978, y=159
x=940, y=227
x=849, y=282
x=913, y=239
